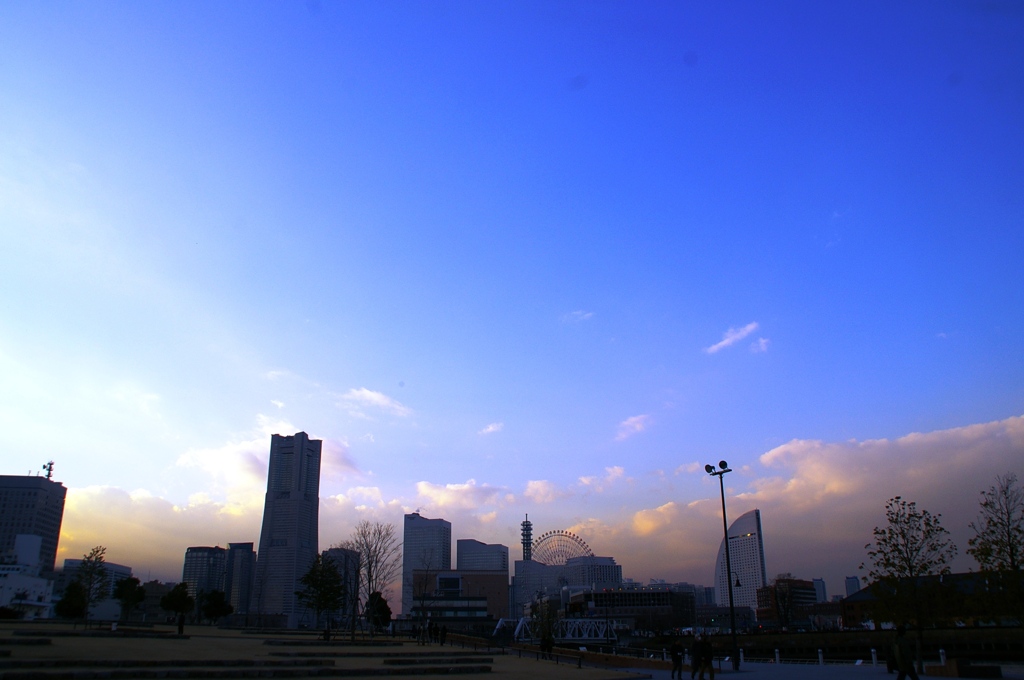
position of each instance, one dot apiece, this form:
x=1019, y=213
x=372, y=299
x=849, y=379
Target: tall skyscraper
x=238, y=577
x=33, y=506
x=820, y=592
x=852, y=585
x=471, y=554
x=205, y=569
x=426, y=547
x=288, y=539
x=746, y=552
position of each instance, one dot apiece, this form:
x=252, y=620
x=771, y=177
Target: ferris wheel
x=558, y=547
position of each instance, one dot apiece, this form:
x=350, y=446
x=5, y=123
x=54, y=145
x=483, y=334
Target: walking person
x=706, y=659
x=676, y=651
x=902, y=654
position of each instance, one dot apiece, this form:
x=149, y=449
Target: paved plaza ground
x=211, y=651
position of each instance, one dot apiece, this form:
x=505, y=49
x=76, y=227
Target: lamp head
x=722, y=464
x=709, y=469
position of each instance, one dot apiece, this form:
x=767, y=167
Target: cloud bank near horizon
x=819, y=502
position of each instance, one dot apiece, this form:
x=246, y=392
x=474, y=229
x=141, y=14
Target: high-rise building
x=746, y=553
x=852, y=585
x=32, y=506
x=471, y=554
x=347, y=563
x=590, y=571
x=427, y=548
x=288, y=538
x=819, y=590
x=205, y=569
x=115, y=573
x=238, y=576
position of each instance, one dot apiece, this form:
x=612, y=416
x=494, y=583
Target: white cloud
x=277, y=403
x=631, y=426
x=579, y=316
x=542, y=491
x=732, y=336
x=492, y=428
x=760, y=345
x=466, y=496
x=599, y=484
x=355, y=399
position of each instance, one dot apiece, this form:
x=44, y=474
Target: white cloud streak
x=732, y=336
x=492, y=428
x=355, y=399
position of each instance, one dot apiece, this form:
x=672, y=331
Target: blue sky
x=483, y=251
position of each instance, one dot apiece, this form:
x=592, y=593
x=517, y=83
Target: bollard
x=874, y=656
x=942, y=656
x=777, y=656
x=664, y=657
x=821, y=658
x=743, y=658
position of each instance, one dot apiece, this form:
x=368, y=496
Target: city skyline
x=507, y=259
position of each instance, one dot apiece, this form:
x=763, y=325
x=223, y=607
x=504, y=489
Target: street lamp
x=723, y=467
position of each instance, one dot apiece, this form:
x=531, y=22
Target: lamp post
x=723, y=467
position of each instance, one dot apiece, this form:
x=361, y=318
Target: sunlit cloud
x=355, y=399
x=646, y=522
x=760, y=345
x=578, y=316
x=732, y=336
x=543, y=491
x=147, y=533
x=631, y=426
x=277, y=403
x=468, y=496
x=492, y=428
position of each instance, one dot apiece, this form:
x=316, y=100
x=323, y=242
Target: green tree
x=322, y=590
x=998, y=547
x=95, y=579
x=72, y=605
x=215, y=606
x=378, y=613
x=130, y=593
x=912, y=546
x=178, y=601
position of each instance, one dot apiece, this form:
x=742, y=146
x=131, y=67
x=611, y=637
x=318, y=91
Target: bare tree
x=998, y=546
x=912, y=545
x=380, y=556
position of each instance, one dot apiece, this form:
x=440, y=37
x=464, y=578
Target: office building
x=22, y=589
x=471, y=554
x=426, y=547
x=205, y=569
x=289, y=535
x=852, y=585
x=32, y=506
x=115, y=573
x=590, y=571
x=347, y=563
x=819, y=590
x=746, y=552
x=457, y=597
x=238, y=576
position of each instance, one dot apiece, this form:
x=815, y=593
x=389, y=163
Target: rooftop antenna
x=49, y=469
